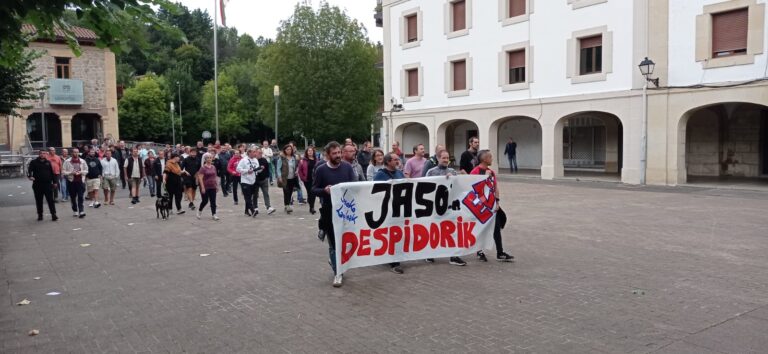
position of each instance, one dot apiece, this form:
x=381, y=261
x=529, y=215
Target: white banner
x=410, y=219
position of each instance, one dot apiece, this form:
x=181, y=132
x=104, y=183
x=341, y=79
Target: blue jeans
x=512, y=163
x=63, y=188
x=151, y=185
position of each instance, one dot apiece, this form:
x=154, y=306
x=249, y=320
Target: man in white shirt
x=267, y=153
x=248, y=167
x=111, y=172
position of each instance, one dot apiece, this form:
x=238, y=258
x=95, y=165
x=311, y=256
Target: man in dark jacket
x=40, y=172
x=364, y=156
x=469, y=158
x=119, y=154
x=158, y=167
x=93, y=178
x=221, y=167
x=432, y=162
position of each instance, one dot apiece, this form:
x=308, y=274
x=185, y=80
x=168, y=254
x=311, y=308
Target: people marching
x=177, y=173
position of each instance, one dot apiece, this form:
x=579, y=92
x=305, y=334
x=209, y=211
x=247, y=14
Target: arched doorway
x=86, y=126
x=455, y=135
x=44, y=133
x=725, y=143
x=412, y=134
x=592, y=145
x=525, y=133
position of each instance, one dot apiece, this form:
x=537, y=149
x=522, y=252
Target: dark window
x=63, y=68
x=591, y=55
x=459, y=9
x=411, y=28
x=516, y=8
x=413, y=82
x=516, y=61
x=459, y=75
x=729, y=33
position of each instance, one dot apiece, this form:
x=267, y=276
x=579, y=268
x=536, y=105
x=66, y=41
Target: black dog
x=163, y=206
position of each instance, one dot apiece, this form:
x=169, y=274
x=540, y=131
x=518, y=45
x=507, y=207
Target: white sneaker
x=215, y=218
x=198, y=215
x=75, y=214
x=90, y=205
x=337, y=279
x=288, y=209
x=270, y=210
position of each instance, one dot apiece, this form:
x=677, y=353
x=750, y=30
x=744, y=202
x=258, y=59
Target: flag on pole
x=223, y=4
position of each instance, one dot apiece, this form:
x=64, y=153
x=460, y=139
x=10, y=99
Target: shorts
x=109, y=184
x=135, y=182
x=190, y=182
x=93, y=184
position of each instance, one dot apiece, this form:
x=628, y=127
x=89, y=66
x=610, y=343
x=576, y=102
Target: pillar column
x=66, y=131
x=552, y=151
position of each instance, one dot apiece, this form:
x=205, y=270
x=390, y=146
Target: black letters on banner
x=441, y=200
x=402, y=197
x=378, y=188
x=421, y=190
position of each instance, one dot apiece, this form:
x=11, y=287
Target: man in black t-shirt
x=468, y=159
x=262, y=183
x=40, y=172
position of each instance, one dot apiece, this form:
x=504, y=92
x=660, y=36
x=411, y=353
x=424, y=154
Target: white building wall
x=683, y=68
x=551, y=24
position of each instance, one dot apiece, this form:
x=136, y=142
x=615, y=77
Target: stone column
x=66, y=131
x=552, y=151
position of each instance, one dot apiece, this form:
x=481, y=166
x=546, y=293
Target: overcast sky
x=262, y=17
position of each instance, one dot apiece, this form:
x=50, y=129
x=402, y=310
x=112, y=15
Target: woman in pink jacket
x=232, y=169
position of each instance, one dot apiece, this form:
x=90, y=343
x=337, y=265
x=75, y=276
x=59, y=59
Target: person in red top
x=232, y=169
x=485, y=158
x=56, y=163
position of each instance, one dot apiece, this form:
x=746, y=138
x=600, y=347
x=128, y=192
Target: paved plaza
x=601, y=268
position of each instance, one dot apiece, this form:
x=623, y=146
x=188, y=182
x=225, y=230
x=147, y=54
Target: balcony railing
x=65, y=92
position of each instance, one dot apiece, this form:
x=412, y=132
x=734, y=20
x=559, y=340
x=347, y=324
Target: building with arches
x=561, y=80
x=80, y=96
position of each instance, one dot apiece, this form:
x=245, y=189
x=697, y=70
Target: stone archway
x=454, y=135
x=589, y=143
x=526, y=133
x=86, y=126
x=723, y=143
x=412, y=134
x=44, y=133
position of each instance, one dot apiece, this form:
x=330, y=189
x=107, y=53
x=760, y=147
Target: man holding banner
x=390, y=172
x=329, y=174
x=485, y=159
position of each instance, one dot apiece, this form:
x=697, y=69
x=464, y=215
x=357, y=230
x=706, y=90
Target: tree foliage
x=324, y=65
x=143, y=111
x=17, y=83
x=115, y=22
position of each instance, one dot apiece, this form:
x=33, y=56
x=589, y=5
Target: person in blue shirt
x=390, y=171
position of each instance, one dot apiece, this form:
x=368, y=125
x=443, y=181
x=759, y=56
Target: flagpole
x=216, y=65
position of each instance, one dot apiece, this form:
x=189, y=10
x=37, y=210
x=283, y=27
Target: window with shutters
x=413, y=82
x=411, y=33
x=459, y=75
x=516, y=66
x=63, y=68
x=514, y=11
x=729, y=33
x=457, y=16
x=411, y=28
x=590, y=55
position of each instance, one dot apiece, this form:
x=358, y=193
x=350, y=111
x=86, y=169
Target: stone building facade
x=80, y=97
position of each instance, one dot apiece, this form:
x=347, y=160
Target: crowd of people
x=180, y=172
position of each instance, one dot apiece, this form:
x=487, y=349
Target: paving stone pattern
x=599, y=270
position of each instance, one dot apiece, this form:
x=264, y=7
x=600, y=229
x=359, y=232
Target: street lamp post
x=41, y=92
x=646, y=68
x=173, y=126
x=181, y=121
x=277, y=109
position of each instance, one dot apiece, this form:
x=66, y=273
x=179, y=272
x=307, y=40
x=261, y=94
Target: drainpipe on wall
x=644, y=136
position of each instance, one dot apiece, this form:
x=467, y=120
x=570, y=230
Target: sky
x=262, y=17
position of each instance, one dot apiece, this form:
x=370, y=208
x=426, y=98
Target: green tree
x=17, y=83
x=114, y=22
x=234, y=119
x=144, y=113
x=324, y=65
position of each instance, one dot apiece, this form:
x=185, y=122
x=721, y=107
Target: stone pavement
x=600, y=268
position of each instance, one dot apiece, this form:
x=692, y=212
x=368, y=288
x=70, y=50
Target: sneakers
x=337, y=279
x=396, y=269
x=288, y=209
x=90, y=205
x=503, y=257
x=321, y=235
x=198, y=215
x=430, y=260
x=179, y=212
x=271, y=210
x=457, y=261
x=255, y=212
x=96, y=205
x=82, y=214
x=235, y=202
x=312, y=211
x=133, y=201
x=191, y=206
x=215, y=218
x=482, y=256
x=40, y=217
x=302, y=202
x=54, y=217
x=248, y=213
x=75, y=214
